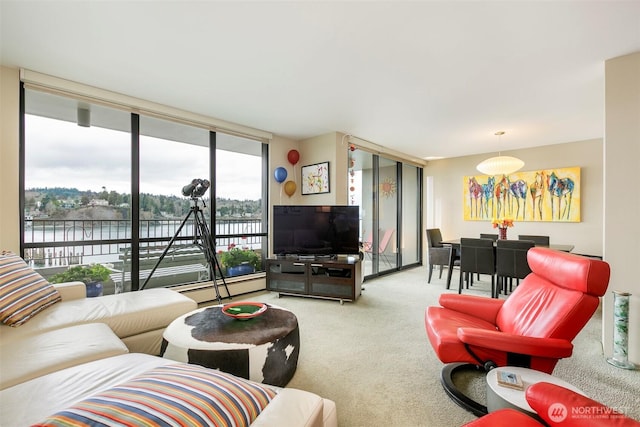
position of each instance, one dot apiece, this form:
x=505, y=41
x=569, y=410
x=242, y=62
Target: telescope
x=201, y=235
x=196, y=188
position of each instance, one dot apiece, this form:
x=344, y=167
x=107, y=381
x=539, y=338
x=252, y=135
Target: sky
x=63, y=154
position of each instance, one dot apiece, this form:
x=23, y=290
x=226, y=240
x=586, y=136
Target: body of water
x=104, y=241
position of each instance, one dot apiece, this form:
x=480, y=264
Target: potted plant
x=239, y=261
x=91, y=275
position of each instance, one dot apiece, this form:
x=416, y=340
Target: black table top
x=557, y=247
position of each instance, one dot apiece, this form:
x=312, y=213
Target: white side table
x=499, y=397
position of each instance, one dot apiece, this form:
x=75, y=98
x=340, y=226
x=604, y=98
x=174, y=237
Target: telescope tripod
x=201, y=238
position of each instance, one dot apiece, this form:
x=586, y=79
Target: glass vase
x=620, y=357
x=502, y=233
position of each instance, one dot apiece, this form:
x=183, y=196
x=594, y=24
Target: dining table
x=455, y=245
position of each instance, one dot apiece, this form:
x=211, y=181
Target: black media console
x=338, y=279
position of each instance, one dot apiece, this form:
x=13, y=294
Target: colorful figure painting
x=542, y=195
x=315, y=178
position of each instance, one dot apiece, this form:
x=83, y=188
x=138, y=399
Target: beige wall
x=444, y=202
x=621, y=201
x=318, y=149
x=326, y=148
x=278, y=150
x=9, y=114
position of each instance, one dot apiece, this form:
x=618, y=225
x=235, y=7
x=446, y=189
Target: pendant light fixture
x=501, y=165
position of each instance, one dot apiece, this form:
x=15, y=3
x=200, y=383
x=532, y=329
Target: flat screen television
x=320, y=231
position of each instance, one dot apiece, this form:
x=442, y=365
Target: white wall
x=621, y=201
x=444, y=205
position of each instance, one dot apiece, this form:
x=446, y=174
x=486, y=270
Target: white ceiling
x=427, y=78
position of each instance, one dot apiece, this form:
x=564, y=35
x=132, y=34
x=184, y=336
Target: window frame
x=135, y=113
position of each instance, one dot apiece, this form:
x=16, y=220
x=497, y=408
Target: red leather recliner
x=532, y=328
x=557, y=407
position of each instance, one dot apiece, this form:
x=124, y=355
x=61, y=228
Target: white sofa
x=81, y=347
x=33, y=401
x=137, y=318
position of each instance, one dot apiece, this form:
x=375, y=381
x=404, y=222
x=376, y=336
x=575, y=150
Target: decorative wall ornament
x=388, y=187
x=542, y=195
x=315, y=178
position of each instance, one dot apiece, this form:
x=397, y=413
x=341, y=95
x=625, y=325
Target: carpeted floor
x=373, y=359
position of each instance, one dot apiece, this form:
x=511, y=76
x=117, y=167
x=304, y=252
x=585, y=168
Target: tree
x=51, y=207
x=30, y=202
x=113, y=198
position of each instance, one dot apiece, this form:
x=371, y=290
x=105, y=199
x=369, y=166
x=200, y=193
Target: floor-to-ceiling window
x=361, y=193
x=240, y=206
x=102, y=185
x=172, y=155
x=388, y=225
x=388, y=192
x=77, y=181
x=411, y=238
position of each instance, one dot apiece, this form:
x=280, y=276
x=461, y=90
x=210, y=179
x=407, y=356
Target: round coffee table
x=263, y=349
x=499, y=397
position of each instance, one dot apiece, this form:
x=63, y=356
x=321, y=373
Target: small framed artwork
x=315, y=178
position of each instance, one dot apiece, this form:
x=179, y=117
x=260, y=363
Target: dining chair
x=477, y=256
x=538, y=240
x=493, y=237
x=511, y=262
x=439, y=254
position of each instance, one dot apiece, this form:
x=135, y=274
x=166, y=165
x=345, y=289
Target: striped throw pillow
x=23, y=292
x=173, y=395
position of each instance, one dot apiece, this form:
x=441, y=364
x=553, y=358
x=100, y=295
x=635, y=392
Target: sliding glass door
x=388, y=225
x=411, y=193
x=389, y=195
x=361, y=190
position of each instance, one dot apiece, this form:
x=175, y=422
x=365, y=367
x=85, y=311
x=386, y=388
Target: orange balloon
x=290, y=188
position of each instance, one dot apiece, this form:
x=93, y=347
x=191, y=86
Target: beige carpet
x=373, y=359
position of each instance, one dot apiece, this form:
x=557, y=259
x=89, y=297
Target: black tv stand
x=305, y=257
x=338, y=279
